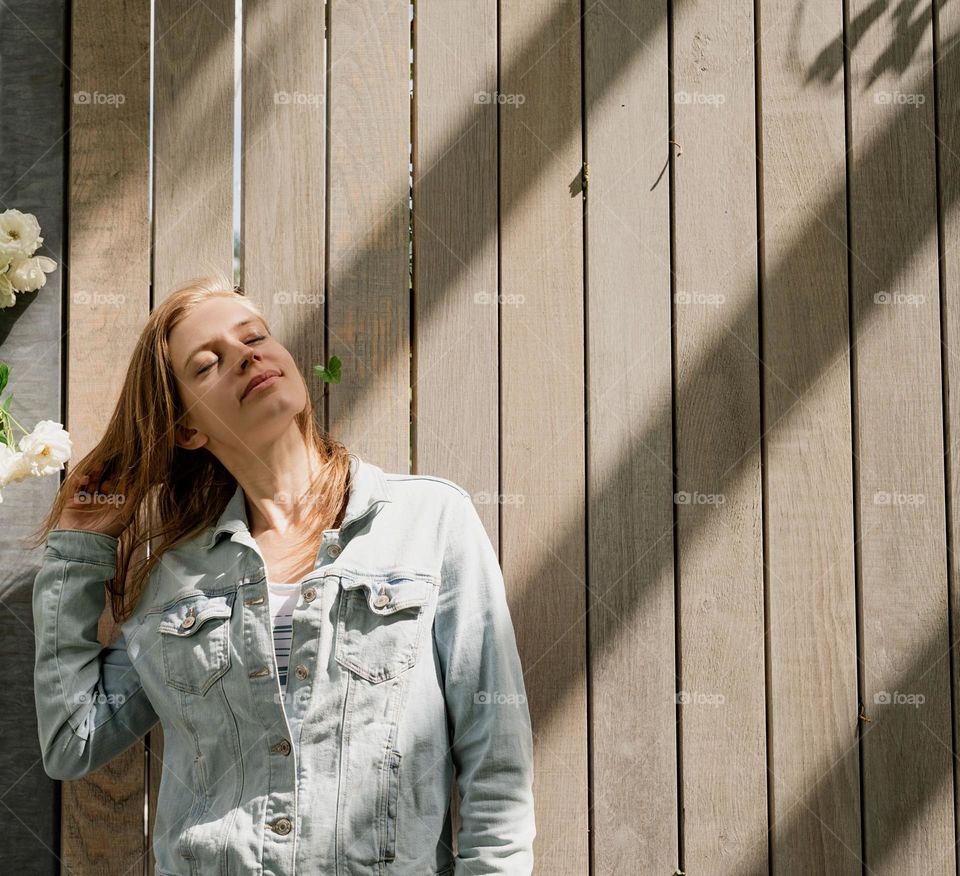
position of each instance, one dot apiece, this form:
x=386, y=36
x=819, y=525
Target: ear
x=189, y=439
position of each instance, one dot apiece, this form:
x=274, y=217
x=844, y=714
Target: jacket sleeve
x=90, y=703
x=486, y=703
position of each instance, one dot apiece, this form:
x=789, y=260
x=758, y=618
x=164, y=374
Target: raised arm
x=90, y=703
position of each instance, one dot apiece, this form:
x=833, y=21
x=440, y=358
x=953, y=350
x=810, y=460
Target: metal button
x=282, y=747
x=310, y=594
x=188, y=622
x=334, y=550
x=381, y=600
x=282, y=825
x=301, y=671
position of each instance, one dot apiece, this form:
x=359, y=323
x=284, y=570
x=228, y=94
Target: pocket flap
x=189, y=615
x=386, y=594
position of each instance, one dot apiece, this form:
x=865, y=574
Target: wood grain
x=908, y=798
x=368, y=284
x=543, y=463
x=632, y=674
x=717, y=416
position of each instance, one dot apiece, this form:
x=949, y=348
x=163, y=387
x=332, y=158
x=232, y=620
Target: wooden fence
x=681, y=315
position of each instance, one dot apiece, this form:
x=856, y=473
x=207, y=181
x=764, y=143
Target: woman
x=271, y=547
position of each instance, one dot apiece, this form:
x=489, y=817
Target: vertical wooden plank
x=193, y=141
x=814, y=761
x=898, y=451
x=33, y=70
x=193, y=183
x=947, y=61
x=542, y=483
x=632, y=617
x=368, y=287
x=109, y=263
x=283, y=174
x=456, y=433
x=724, y=799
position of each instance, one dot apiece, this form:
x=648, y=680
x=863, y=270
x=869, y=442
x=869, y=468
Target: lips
x=259, y=378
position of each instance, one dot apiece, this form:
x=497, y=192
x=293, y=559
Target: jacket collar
x=368, y=487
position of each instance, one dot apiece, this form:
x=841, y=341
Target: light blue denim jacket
x=403, y=665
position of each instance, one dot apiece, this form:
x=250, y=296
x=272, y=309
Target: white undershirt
x=283, y=599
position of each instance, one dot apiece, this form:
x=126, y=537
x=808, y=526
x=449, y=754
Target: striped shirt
x=283, y=599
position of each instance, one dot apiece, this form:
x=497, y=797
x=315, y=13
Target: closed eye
x=214, y=362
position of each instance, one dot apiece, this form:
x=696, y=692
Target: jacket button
x=188, y=622
x=381, y=600
x=334, y=550
x=301, y=671
x=282, y=747
x=282, y=826
x=310, y=594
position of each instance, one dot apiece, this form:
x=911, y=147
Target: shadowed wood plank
x=542, y=487
x=109, y=261
x=898, y=447
x=455, y=254
x=368, y=284
x=948, y=107
x=283, y=174
x=193, y=141
x=814, y=761
x=632, y=619
x=721, y=623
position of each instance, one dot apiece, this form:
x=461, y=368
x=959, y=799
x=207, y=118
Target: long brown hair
x=171, y=494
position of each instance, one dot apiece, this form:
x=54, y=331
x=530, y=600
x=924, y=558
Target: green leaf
x=331, y=374
x=4, y=374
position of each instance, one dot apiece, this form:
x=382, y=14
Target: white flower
x=7, y=296
x=27, y=275
x=19, y=233
x=46, y=448
x=13, y=466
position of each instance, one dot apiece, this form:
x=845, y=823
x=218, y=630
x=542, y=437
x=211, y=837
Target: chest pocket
x=381, y=621
x=195, y=641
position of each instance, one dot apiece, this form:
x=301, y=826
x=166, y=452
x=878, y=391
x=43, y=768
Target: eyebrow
x=243, y=322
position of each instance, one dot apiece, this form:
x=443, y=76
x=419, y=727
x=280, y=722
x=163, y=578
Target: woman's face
x=217, y=349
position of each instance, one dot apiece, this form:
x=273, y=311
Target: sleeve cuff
x=83, y=545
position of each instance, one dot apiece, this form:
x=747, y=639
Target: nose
x=246, y=357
